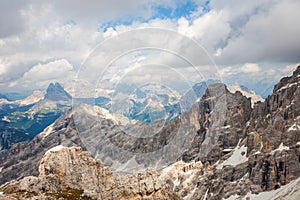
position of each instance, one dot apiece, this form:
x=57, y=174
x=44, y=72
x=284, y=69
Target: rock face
x=227, y=131
x=71, y=169
x=233, y=152
x=55, y=92
x=274, y=134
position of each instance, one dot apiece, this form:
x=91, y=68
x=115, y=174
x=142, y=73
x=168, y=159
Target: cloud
x=226, y=71
x=51, y=70
x=268, y=34
x=41, y=75
x=3, y=68
x=241, y=37
x=250, y=68
x=209, y=30
x=11, y=20
x=289, y=69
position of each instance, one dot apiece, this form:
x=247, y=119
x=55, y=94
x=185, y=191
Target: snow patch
x=176, y=183
x=233, y=197
x=55, y=149
x=280, y=148
x=294, y=127
x=227, y=150
x=46, y=131
x=227, y=127
x=248, y=123
x=236, y=158
x=5, y=118
x=205, y=196
x=289, y=191
x=4, y=101
x=286, y=86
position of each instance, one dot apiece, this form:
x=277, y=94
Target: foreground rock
x=73, y=173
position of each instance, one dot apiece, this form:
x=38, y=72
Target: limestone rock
x=71, y=170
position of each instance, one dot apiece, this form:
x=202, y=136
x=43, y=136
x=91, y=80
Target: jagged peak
x=56, y=92
x=216, y=90
x=246, y=92
x=288, y=81
x=297, y=71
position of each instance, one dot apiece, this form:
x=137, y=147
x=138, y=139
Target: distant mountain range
x=23, y=119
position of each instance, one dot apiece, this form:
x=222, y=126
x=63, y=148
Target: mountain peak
x=289, y=81
x=297, y=71
x=246, y=92
x=56, y=92
x=35, y=97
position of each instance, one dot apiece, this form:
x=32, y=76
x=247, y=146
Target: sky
x=253, y=43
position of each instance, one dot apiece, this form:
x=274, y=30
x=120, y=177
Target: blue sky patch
x=182, y=9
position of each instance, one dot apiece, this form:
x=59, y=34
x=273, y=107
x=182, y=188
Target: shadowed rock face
x=275, y=132
x=55, y=92
x=223, y=126
x=250, y=150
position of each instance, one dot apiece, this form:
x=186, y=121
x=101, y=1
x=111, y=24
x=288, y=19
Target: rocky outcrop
x=23, y=159
x=71, y=170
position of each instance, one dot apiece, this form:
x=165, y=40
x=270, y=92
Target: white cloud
x=110, y=32
x=250, y=68
x=2, y=68
x=51, y=70
x=41, y=75
x=267, y=34
x=226, y=71
x=209, y=30
x=233, y=33
x=289, y=69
